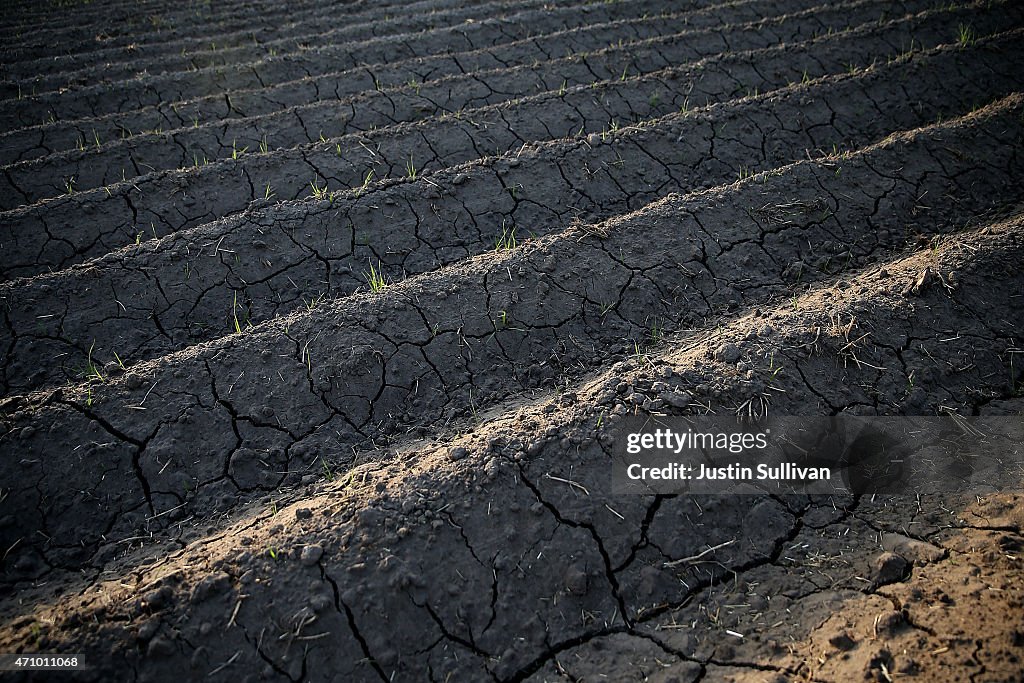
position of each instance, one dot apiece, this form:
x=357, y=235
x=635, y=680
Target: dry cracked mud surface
x=318, y=320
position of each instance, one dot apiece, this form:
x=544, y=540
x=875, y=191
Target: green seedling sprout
x=375, y=278
x=506, y=240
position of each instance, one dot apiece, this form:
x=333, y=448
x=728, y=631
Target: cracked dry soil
x=317, y=320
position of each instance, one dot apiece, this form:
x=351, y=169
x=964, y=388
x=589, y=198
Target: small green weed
x=236, y=152
x=375, y=278
x=966, y=36
x=327, y=471
x=506, y=240
x=366, y=182
x=234, y=315
x=92, y=371
x=321, y=192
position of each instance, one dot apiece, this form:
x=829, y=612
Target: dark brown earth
x=227, y=452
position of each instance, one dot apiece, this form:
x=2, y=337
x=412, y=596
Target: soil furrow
x=302, y=393
x=57, y=15
x=163, y=90
x=271, y=69
x=53, y=74
x=98, y=165
x=351, y=557
x=97, y=221
x=191, y=287
x=74, y=133
x=243, y=23
x=236, y=30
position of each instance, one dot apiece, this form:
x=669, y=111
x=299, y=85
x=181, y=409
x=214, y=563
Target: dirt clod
x=918, y=552
x=210, y=586
x=842, y=641
x=311, y=554
x=160, y=646
x=888, y=568
x=727, y=353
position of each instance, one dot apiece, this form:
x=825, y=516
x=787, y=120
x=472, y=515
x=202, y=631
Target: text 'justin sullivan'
x=675, y=441
x=786, y=471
